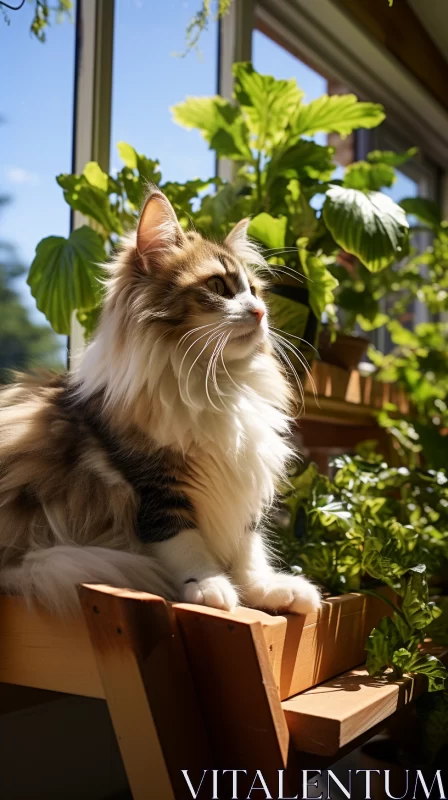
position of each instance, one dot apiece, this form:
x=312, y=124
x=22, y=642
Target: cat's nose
x=259, y=312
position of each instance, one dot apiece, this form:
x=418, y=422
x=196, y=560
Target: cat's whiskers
x=209, y=369
x=193, y=330
x=287, y=333
x=279, y=349
x=220, y=350
x=211, y=336
x=293, y=349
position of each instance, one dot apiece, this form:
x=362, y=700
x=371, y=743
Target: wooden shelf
x=327, y=718
x=347, y=398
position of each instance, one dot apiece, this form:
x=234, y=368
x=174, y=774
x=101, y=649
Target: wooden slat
x=325, y=719
x=41, y=650
x=238, y=696
x=148, y=689
x=401, y=32
x=303, y=650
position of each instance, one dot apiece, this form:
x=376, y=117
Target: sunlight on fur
x=154, y=464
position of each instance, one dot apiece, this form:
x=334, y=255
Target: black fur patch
x=164, y=508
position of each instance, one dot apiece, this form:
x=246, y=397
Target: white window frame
x=92, y=109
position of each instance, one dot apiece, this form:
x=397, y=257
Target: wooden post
x=237, y=693
x=148, y=689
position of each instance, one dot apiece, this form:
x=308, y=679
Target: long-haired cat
x=153, y=464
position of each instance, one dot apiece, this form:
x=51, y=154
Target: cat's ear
x=238, y=234
x=158, y=230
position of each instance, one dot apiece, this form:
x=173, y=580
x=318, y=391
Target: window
x=148, y=78
x=36, y=108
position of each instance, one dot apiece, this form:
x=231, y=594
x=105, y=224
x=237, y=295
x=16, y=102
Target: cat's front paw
x=278, y=592
x=216, y=592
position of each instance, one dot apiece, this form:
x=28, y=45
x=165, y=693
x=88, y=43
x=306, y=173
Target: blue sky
x=37, y=100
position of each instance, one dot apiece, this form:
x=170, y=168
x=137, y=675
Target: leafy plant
x=374, y=525
x=278, y=175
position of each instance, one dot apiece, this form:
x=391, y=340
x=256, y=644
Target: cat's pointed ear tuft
x=158, y=230
x=238, y=234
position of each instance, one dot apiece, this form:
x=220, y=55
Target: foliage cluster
x=373, y=525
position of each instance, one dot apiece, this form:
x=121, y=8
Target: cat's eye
x=253, y=291
x=217, y=286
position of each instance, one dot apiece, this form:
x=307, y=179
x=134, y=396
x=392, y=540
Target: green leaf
x=90, y=201
x=302, y=217
x=368, y=224
x=432, y=667
x=428, y=211
x=321, y=284
x=95, y=176
x=307, y=159
x=361, y=175
x=127, y=154
x=220, y=123
x=391, y=158
x=338, y=113
x=267, y=103
x=268, y=230
x=415, y=608
x=64, y=275
x=381, y=645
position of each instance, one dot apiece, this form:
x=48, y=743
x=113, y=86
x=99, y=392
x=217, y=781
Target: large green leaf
x=268, y=230
x=268, y=103
x=426, y=210
x=64, y=275
x=220, y=123
x=338, y=113
x=368, y=224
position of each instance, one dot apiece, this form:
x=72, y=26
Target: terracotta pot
x=345, y=352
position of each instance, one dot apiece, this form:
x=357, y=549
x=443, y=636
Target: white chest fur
x=233, y=475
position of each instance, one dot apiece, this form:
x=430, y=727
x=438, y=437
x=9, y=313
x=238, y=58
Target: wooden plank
x=230, y=663
x=400, y=31
x=336, y=410
x=148, y=689
x=44, y=651
x=318, y=646
x=327, y=718
x=303, y=650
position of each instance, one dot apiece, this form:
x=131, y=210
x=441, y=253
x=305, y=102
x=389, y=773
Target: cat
x=154, y=463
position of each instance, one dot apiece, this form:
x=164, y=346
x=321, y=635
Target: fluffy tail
x=51, y=576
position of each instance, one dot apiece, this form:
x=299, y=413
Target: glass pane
x=36, y=107
x=148, y=78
